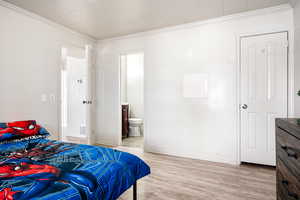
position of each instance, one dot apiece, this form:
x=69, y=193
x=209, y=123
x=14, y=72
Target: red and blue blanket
x=42, y=169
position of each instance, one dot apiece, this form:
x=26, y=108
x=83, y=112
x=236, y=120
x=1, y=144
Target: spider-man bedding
x=42, y=169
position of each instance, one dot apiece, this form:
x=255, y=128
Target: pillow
x=20, y=130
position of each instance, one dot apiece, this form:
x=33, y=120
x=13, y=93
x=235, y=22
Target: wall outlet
x=44, y=98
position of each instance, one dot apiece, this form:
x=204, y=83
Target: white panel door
x=76, y=95
x=264, y=92
x=77, y=86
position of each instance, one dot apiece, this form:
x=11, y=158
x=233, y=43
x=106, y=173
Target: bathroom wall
x=135, y=84
x=132, y=83
x=123, y=78
x=203, y=128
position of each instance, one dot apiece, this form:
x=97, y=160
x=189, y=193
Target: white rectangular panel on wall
x=195, y=86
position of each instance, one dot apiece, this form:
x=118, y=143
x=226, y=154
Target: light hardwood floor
x=174, y=178
x=137, y=142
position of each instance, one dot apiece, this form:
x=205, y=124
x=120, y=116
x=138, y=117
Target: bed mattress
x=43, y=169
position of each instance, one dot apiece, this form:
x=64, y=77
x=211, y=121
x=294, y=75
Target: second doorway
x=132, y=99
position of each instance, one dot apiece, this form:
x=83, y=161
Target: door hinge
x=287, y=43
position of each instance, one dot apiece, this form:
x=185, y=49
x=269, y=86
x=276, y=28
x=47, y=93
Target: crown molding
x=257, y=12
x=293, y=2
x=45, y=20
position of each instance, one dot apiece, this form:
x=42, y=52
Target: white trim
x=238, y=99
x=263, y=11
x=44, y=20
x=60, y=105
x=207, y=156
x=120, y=127
x=291, y=72
x=293, y=2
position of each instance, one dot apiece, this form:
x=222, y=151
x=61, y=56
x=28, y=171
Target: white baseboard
x=200, y=156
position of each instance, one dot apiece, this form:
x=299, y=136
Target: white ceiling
x=102, y=19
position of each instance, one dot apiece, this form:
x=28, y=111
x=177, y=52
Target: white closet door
x=77, y=95
x=77, y=89
x=264, y=92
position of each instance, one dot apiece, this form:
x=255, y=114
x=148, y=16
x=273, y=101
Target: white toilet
x=135, y=127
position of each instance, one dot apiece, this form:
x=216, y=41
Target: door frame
x=290, y=79
x=90, y=66
x=134, y=51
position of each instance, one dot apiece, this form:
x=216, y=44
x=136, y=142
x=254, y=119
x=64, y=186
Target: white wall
x=297, y=56
x=132, y=83
x=123, y=78
x=196, y=128
x=30, y=51
x=135, y=84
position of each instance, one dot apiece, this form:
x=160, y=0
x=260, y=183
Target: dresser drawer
x=288, y=150
x=288, y=187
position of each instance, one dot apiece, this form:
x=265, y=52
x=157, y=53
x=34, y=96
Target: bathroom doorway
x=132, y=99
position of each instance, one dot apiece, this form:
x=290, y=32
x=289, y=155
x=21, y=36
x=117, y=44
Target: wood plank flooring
x=136, y=142
x=174, y=178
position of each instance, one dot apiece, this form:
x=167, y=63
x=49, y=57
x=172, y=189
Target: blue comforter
x=50, y=170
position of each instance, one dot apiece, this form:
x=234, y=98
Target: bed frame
x=135, y=191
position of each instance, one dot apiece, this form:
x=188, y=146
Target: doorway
x=75, y=95
x=132, y=99
x=264, y=94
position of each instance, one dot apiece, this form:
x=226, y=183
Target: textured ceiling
x=102, y=19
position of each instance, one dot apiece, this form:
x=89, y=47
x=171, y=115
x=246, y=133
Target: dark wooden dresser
x=125, y=122
x=288, y=159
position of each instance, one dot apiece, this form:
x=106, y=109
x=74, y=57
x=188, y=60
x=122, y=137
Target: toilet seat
x=135, y=121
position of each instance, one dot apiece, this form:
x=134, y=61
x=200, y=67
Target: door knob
x=244, y=106
x=87, y=102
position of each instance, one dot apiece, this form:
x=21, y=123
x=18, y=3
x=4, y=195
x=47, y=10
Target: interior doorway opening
x=132, y=99
x=75, y=95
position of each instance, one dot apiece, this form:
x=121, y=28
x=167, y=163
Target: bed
x=43, y=169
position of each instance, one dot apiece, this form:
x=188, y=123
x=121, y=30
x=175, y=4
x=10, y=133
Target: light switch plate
x=52, y=98
x=44, y=98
